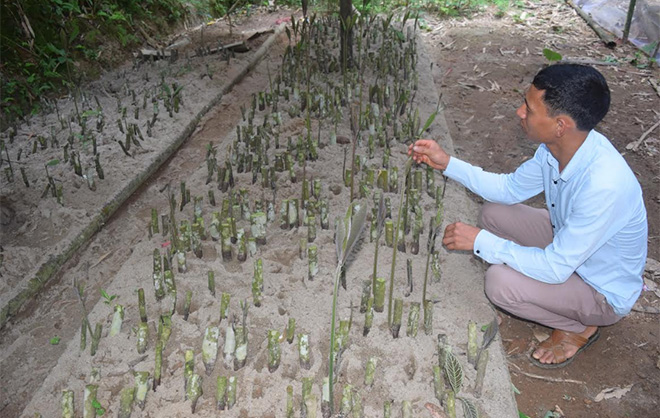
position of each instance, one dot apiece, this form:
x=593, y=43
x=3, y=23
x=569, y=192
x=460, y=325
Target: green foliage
x=218, y=7
x=347, y=234
x=469, y=408
x=100, y=410
x=610, y=58
x=55, y=340
x=641, y=61
x=454, y=372
x=107, y=299
x=42, y=40
x=551, y=55
x=650, y=48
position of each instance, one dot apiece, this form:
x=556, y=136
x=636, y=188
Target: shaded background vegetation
x=49, y=46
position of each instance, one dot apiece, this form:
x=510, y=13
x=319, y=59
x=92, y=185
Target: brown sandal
x=555, y=345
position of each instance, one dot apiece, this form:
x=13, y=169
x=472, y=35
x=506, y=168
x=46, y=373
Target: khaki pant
x=569, y=306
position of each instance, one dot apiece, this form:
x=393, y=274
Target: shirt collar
x=579, y=161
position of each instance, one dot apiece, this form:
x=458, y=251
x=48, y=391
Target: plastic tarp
x=611, y=15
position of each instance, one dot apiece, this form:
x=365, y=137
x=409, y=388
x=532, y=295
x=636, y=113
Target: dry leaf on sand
x=540, y=335
x=435, y=410
x=610, y=393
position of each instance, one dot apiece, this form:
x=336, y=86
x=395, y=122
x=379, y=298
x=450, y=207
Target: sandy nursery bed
x=283, y=150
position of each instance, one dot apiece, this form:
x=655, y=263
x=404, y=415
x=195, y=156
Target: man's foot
x=562, y=346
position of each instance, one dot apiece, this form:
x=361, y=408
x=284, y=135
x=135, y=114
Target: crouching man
x=578, y=264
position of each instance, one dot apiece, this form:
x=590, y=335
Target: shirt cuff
x=485, y=245
x=453, y=165
x=455, y=168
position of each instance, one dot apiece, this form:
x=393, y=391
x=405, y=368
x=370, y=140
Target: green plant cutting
x=406, y=171
x=348, y=233
x=108, y=299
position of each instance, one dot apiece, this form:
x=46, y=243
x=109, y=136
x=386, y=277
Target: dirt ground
x=485, y=64
x=482, y=66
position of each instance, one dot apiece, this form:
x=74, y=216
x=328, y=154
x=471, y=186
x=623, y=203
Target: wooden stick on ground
x=635, y=144
x=605, y=36
x=586, y=61
x=655, y=86
x=549, y=379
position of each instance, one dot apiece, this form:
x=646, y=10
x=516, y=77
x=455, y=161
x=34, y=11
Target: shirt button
x=554, y=181
x=553, y=226
x=478, y=251
x=553, y=205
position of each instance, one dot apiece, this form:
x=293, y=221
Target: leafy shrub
x=40, y=40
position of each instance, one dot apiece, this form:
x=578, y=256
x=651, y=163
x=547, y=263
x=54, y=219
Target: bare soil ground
x=485, y=64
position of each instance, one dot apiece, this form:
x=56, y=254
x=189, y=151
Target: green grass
x=42, y=40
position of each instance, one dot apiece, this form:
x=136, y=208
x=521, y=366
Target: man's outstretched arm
x=516, y=187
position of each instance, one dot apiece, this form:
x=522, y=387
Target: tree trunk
x=345, y=12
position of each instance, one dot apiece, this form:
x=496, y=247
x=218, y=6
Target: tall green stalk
x=430, y=247
x=406, y=171
x=332, y=338
x=347, y=236
x=380, y=224
x=355, y=129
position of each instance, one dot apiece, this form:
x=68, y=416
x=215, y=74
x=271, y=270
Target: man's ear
x=564, y=124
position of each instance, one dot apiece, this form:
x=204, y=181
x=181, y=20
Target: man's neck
x=565, y=147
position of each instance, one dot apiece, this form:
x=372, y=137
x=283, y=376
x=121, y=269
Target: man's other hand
x=459, y=236
x=428, y=151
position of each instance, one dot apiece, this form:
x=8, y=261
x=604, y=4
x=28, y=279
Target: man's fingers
x=424, y=142
x=450, y=244
x=451, y=238
x=422, y=145
x=421, y=158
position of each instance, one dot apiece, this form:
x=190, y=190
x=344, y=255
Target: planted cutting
x=347, y=235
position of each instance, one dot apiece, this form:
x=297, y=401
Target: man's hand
x=428, y=151
x=459, y=236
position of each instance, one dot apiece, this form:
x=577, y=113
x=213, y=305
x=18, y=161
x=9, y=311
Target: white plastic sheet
x=611, y=15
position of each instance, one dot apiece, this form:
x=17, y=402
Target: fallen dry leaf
x=610, y=393
x=435, y=410
x=652, y=267
x=558, y=410
x=540, y=335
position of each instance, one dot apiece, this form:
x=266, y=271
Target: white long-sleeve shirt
x=597, y=214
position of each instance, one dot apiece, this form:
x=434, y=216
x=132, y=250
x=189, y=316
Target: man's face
x=534, y=118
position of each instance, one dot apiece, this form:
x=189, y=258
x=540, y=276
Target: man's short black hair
x=579, y=91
